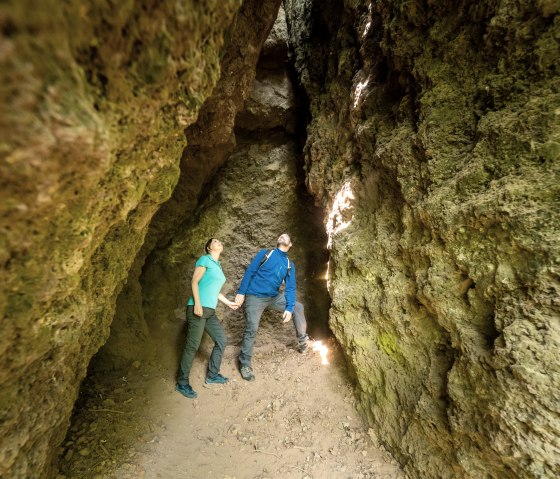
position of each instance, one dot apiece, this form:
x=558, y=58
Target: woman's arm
x=197, y=276
x=227, y=302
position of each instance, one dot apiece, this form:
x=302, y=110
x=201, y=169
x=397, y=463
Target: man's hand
x=198, y=310
x=239, y=299
x=286, y=317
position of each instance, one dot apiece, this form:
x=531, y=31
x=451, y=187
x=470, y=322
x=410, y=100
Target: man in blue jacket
x=260, y=288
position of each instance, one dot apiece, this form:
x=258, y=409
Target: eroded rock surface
x=95, y=99
x=434, y=145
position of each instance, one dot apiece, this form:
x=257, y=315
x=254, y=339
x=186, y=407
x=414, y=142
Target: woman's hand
x=232, y=305
x=227, y=302
x=197, y=309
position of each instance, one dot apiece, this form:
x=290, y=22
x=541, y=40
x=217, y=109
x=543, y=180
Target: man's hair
x=284, y=239
x=208, y=243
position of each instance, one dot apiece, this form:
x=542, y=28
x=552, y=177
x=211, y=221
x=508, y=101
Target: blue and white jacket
x=265, y=281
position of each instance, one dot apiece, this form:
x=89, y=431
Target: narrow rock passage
x=297, y=420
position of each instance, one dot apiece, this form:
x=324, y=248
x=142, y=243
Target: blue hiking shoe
x=218, y=379
x=247, y=373
x=186, y=391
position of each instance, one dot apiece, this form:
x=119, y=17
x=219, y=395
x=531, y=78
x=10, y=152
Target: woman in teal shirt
x=207, y=281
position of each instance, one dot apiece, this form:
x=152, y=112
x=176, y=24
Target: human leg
x=254, y=308
x=195, y=329
x=298, y=317
x=300, y=324
x=216, y=332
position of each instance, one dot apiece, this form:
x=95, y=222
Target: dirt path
x=297, y=420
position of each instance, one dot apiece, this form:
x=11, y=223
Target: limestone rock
x=431, y=148
x=93, y=110
x=271, y=105
x=274, y=53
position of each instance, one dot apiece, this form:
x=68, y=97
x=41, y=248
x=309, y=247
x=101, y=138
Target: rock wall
x=211, y=140
x=94, y=100
x=434, y=146
x=252, y=199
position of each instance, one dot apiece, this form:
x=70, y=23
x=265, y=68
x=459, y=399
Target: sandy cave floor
x=297, y=420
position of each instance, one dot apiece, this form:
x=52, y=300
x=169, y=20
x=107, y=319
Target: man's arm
x=250, y=272
x=290, y=291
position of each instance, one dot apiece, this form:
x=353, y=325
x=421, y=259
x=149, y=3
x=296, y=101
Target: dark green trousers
x=196, y=326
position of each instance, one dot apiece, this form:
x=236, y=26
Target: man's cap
x=284, y=239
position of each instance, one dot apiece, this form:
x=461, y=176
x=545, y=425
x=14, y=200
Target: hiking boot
x=186, y=391
x=218, y=379
x=247, y=373
x=303, y=347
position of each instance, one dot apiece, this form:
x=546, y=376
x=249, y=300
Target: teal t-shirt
x=211, y=282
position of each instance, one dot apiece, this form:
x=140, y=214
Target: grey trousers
x=254, y=308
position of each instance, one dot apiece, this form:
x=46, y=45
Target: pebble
x=85, y=452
